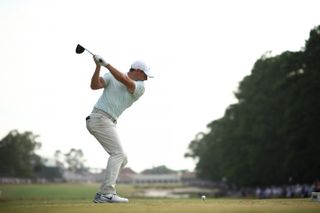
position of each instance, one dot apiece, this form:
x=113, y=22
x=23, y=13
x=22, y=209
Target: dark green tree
x=17, y=155
x=271, y=135
x=158, y=170
x=73, y=160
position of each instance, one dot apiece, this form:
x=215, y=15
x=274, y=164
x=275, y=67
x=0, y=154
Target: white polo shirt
x=116, y=97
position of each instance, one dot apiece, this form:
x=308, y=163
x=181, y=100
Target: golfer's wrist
x=98, y=67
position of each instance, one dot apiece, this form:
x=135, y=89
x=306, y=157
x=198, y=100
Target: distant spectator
x=316, y=186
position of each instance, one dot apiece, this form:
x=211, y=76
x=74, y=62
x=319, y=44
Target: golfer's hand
x=99, y=60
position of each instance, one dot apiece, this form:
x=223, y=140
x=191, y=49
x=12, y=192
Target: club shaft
x=89, y=51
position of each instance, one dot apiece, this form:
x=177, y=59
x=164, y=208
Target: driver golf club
x=80, y=49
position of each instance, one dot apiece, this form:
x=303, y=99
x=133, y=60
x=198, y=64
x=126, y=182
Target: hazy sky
x=199, y=51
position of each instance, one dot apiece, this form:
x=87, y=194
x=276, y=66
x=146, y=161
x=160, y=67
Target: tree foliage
x=271, y=135
x=74, y=160
x=17, y=156
x=158, y=170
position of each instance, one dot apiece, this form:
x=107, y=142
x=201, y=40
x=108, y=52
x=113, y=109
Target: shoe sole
x=102, y=201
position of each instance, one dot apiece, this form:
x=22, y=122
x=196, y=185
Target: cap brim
x=149, y=75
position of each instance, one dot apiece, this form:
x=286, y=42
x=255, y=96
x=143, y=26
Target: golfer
x=120, y=91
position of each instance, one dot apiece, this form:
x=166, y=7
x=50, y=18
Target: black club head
x=80, y=49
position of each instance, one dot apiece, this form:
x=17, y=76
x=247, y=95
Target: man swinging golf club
x=120, y=91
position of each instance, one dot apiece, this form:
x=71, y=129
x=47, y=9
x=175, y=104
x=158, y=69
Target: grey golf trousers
x=104, y=130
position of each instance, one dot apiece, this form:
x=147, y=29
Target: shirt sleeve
x=139, y=90
x=106, y=77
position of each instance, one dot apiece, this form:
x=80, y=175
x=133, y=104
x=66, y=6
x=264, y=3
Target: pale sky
x=199, y=51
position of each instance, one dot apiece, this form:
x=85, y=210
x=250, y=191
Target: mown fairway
x=77, y=198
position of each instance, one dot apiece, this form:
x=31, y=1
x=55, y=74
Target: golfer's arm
x=97, y=82
x=123, y=78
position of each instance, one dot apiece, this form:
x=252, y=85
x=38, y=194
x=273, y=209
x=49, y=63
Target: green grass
x=67, y=198
x=66, y=191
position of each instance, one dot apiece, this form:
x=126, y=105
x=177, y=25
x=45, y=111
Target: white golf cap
x=142, y=66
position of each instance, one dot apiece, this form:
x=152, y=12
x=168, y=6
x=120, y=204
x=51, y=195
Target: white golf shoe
x=109, y=198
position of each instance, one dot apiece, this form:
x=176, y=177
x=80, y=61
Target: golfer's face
x=141, y=75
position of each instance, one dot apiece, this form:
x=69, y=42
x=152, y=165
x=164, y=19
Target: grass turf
x=50, y=198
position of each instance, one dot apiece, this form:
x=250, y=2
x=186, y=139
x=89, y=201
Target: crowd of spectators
x=289, y=191
x=285, y=191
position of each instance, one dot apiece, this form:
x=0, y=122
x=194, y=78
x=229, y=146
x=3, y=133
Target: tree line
x=18, y=158
x=271, y=135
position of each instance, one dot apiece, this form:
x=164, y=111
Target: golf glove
x=98, y=59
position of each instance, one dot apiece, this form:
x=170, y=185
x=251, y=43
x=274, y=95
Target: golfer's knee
x=125, y=161
x=121, y=158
